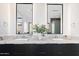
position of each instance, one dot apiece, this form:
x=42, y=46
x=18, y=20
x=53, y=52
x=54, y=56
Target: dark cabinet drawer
x=24, y=50
x=48, y=50
x=71, y=50
x=42, y=53
x=6, y=49
x=39, y=49
x=55, y=49
x=60, y=53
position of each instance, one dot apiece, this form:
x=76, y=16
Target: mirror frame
x=61, y=15
x=16, y=15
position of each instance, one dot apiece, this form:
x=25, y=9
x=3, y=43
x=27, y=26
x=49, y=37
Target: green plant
x=40, y=28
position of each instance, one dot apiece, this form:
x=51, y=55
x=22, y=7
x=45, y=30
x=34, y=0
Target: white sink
x=57, y=39
x=22, y=39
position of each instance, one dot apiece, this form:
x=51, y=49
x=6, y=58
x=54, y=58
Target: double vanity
x=49, y=45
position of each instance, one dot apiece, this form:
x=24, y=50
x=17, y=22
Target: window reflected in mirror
x=55, y=18
x=24, y=18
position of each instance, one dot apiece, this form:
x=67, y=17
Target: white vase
x=39, y=35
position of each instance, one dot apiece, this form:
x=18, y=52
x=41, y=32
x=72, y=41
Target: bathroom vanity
x=39, y=49
x=42, y=47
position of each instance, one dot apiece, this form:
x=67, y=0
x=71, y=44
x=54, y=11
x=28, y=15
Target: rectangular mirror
x=55, y=20
x=24, y=18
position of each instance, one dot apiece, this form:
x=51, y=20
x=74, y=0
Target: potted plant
x=40, y=29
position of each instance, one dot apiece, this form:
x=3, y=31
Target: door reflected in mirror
x=55, y=18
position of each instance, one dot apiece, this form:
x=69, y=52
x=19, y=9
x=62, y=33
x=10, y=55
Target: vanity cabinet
x=6, y=49
x=39, y=49
x=55, y=49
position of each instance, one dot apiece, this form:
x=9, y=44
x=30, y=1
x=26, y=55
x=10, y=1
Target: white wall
x=12, y=18
x=74, y=16
x=39, y=13
x=7, y=18
x=3, y=18
x=66, y=19
x=70, y=17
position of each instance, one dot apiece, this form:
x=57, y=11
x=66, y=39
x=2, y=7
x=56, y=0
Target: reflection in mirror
x=55, y=18
x=24, y=18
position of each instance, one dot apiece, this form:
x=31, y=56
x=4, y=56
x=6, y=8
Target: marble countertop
x=41, y=41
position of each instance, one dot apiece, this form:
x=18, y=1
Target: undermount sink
x=21, y=39
x=57, y=39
